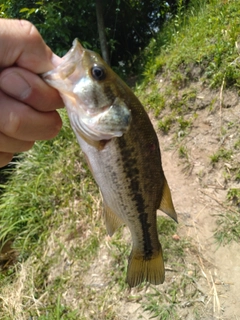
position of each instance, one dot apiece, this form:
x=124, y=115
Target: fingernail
x=15, y=85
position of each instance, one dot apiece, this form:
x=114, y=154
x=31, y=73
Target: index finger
x=22, y=45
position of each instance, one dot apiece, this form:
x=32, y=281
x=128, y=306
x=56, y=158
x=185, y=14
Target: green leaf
x=24, y=10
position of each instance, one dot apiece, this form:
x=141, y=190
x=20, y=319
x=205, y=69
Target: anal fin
x=112, y=221
x=166, y=204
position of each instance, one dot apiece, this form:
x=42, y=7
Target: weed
x=178, y=80
x=228, y=228
x=165, y=124
x=160, y=310
x=221, y=154
x=167, y=304
x=189, y=95
x=237, y=144
x=150, y=73
x=164, y=303
x=233, y=195
x=211, y=47
x=183, y=152
x=155, y=101
x=57, y=312
x=166, y=229
x=237, y=176
x=183, y=123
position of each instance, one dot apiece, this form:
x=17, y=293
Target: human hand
x=27, y=104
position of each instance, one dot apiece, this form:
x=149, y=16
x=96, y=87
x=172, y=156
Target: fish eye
x=98, y=73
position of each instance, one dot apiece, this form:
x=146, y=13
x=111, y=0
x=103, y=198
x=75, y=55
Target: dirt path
x=196, y=212
x=198, y=197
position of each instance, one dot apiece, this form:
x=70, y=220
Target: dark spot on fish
x=114, y=176
x=143, y=217
x=152, y=147
x=135, y=171
x=109, y=93
x=95, y=98
x=134, y=185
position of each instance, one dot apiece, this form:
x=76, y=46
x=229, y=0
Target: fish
x=122, y=151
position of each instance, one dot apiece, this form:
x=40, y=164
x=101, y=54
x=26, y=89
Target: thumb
x=22, y=45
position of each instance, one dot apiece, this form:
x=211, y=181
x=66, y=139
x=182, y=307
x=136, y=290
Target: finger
x=22, y=122
x=29, y=88
x=11, y=145
x=5, y=158
x=21, y=44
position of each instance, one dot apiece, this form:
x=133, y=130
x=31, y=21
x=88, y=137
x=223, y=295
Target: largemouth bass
x=123, y=154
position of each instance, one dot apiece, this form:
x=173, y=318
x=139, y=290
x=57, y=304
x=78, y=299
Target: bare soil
x=199, y=191
x=198, y=206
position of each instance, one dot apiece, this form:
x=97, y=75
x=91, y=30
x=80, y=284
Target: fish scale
x=123, y=154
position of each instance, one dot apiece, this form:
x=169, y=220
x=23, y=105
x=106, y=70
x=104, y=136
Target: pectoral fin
x=166, y=204
x=112, y=221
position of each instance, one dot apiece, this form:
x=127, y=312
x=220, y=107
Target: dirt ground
x=199, y=195
x=197, y=211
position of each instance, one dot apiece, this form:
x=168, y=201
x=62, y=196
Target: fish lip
x=76, y=51
x=68, y=65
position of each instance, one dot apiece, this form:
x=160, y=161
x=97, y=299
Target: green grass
x=228, y=223
x=50, y=188
x=199, y=45
x=222, y=154
x=43, y=183
x=58, y=312
x=205, y=37
x=233, y=195
x=228, y=228
x=165, y=124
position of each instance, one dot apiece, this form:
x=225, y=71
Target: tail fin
x=140, y=269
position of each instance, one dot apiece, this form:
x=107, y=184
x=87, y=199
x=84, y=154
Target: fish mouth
x=67, y=70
